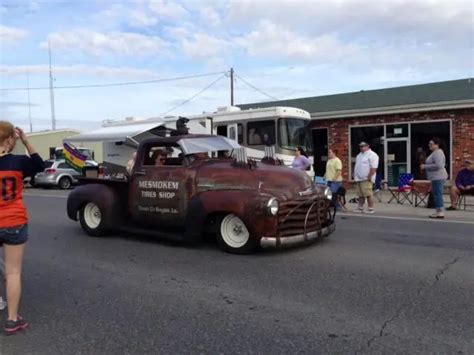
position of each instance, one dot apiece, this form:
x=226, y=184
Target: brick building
x=397, y=122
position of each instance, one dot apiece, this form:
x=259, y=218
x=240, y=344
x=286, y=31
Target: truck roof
x=195, y=143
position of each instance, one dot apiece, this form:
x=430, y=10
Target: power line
x=116, y=84
x=256, y=88
x=195, y=95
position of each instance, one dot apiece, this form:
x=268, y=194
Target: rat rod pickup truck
x=182, y=187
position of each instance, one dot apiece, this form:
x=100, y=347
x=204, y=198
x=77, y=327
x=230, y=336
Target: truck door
x=158, y=195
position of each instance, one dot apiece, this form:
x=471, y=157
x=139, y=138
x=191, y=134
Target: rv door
x=232, y=132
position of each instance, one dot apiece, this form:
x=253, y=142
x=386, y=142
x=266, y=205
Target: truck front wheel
x=92, y=220
x=233, y=236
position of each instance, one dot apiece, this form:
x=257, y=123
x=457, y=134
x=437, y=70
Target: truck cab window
x=163, y=156
x=261, y=133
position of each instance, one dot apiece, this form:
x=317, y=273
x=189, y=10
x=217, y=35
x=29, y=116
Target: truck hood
x=279, y=181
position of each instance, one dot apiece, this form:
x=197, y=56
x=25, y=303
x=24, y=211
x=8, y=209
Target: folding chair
x=422, y=194
x=462, y=200
x=378, y=187
x=403, y=192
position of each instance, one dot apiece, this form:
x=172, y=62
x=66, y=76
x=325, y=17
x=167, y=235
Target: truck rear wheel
x=92, y=220
x=233, y=236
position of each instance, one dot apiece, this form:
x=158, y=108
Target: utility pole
x=51, y=92
x=29, y=102
x=231, y=86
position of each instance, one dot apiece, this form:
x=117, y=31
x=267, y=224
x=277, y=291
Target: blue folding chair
x=403, y=192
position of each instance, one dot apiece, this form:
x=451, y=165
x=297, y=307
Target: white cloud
x=79, y=70
x=168, y=9
x=141, y=19
x=209, y=16
x=426, y=19
x=137, y=16
x=271, y=40
x=201, y=45
x=98, y=43
x=11, y=34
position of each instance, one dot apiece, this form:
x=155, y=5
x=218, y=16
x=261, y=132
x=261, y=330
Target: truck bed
x=104, y=181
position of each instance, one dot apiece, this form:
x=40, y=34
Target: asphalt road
x=376, y=286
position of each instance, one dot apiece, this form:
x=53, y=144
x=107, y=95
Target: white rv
x=285, y=128
x=282, y=127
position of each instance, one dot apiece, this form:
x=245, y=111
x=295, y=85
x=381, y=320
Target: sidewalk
x=407, y=210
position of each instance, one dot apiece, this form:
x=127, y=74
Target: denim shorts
x=14, y=235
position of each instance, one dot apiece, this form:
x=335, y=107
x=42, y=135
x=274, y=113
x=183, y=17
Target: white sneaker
x=358, y=210
x=3, y=304
x=370, y=211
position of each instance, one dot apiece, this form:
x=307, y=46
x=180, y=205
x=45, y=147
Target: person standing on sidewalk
x=367, y=162
x=333, y=174
x=435, y=168
x=301, y=160
x=13, y=215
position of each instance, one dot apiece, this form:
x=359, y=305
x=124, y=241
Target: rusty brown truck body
x=196, y=187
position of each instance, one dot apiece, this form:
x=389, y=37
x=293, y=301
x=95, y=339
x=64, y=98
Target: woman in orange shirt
x=13, y=215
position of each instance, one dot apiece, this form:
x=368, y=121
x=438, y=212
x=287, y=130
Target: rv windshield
x=292, y=133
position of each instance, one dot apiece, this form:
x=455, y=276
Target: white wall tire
x=92, y=219
x=233, y=235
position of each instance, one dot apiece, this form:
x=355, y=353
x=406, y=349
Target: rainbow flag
x=73, y=157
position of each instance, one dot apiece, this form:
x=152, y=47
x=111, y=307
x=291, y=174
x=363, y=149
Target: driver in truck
x=159, y=157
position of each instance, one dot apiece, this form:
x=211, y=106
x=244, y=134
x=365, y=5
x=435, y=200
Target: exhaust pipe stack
x=241, y=155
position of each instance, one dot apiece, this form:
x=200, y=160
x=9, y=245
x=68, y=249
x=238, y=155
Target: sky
x=283, y=48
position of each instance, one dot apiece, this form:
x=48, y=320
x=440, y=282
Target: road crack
x=405, y=305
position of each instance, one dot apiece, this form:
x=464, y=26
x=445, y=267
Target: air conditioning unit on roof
x=228, y=109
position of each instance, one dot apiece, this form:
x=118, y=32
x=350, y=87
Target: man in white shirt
x=367, y=162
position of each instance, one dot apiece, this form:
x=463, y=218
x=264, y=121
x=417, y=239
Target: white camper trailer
x=120, y=140
x=285, y=128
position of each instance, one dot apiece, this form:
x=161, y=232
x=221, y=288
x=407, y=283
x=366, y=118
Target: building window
x=397, y=130
x=421, y=133
x=261, y=133
x=374, y=136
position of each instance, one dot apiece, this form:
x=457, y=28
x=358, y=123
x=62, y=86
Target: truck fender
x=104, y=196
x=206, y=203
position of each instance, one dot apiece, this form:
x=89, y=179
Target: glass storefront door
x=397, y=160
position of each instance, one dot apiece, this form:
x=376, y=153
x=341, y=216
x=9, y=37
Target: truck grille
x=293, y=214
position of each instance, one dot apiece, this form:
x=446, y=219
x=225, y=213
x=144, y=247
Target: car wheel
x=92, y=221
x=65, y=183
x=233, y=236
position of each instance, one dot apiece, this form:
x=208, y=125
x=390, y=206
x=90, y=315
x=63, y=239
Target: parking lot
x=377, y=285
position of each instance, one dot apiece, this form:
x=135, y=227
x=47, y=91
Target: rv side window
x=261, y=133
x=222, y=131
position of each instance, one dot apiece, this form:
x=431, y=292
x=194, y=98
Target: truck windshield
x=292, y=133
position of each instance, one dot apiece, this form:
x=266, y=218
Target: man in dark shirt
x=464, y=184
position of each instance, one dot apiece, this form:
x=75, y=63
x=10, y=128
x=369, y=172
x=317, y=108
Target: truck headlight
x=273, y=206
x=328, y=193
